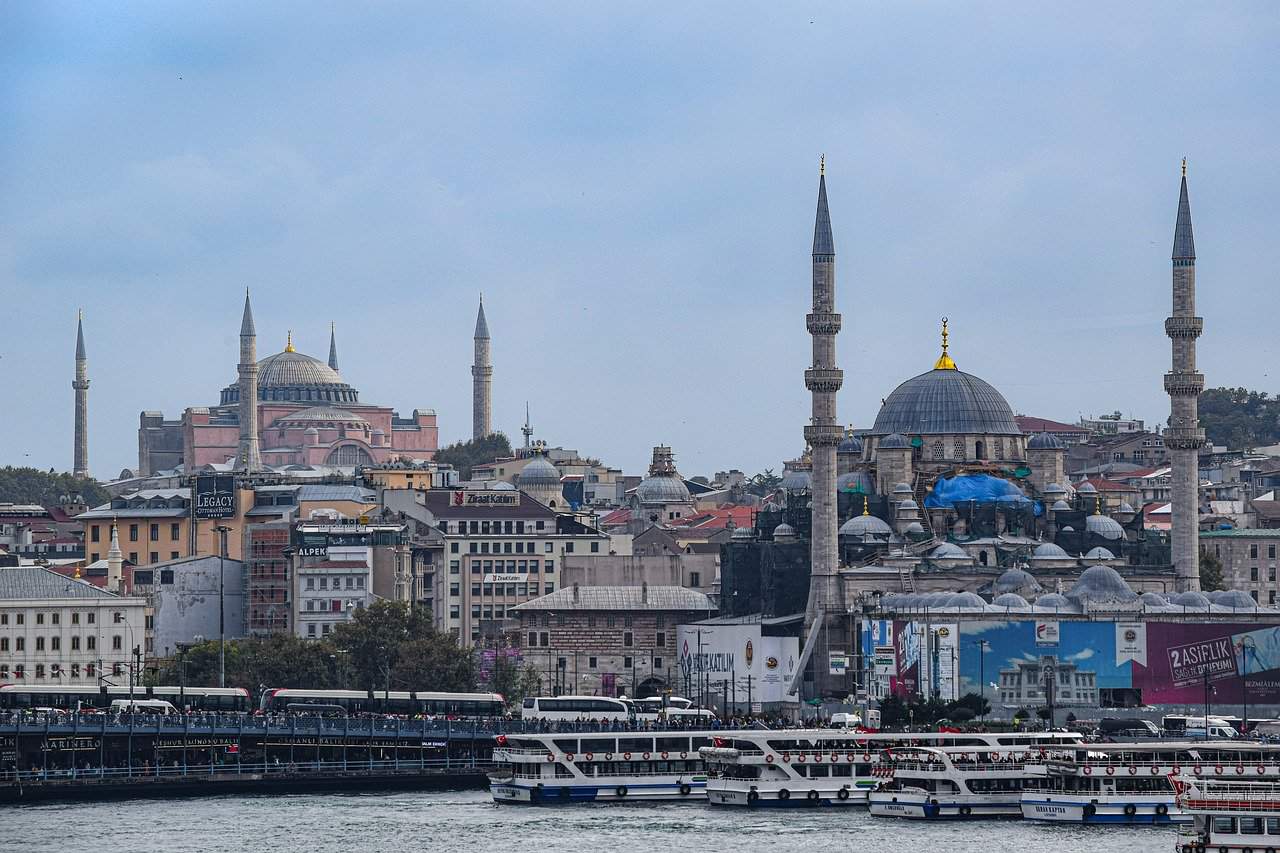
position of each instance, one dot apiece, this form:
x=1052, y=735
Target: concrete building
x=56, y=630
x=80, y=462
x=195, y=597
x=1183, y=383
x=607, y=640
x=1248, y=560
x=342, y=566
x=697, y=571
x=1035, y=682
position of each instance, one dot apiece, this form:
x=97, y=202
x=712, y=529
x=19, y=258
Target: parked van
x=1214, y=732
x=842, y=720
x=142, y=706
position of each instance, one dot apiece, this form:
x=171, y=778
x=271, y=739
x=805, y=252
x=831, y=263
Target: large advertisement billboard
x=215, y=496
x=739, y=655
x=1184, y=660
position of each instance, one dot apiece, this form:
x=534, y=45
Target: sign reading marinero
x=462, y=497
x=215, y=496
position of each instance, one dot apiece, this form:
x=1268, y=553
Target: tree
x=1211, y=572
x=971, y=705
x=435, y=662
x=465, y=455
x=1239, y=418
x=763, y=483
x=371, y=640
x=281, y=660
x=505, y=677
x=47, y=488
x=530, y=681
x=893, y=712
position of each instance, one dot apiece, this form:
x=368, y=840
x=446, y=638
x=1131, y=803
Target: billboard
x=740, y=655
x=215, y=496
x=1184, y=660
x=465, y=497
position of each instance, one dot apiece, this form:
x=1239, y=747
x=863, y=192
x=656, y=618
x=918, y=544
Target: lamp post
x=983, y=646
x=1245, y=644
x=222, y=531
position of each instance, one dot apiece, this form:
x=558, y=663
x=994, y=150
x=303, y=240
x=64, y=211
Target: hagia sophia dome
x=291, y=376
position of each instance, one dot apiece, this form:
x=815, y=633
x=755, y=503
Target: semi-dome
x=291, y=376
x=784, y=531
x=1154, y=601
x=948, y=551
x=1016, y=581
x=1104, y=526
x=915, y=528
x=797, y=481
x=539, y=472
x=851, y=444
x=742, y=533
x=861, y=526
x=908, y=503
x=900, y=491
x=1099, y=553
x=1050, y=551
x=895, y=441
x=1101, y=584
x=1059, y=506
x=662, y=489
x=1011, y=601
x=1044, y=441
x=966, y=601
x=1237, y=599
x=1053, y=490
x=318, y=416
x=945, y=401
x=1086, y=488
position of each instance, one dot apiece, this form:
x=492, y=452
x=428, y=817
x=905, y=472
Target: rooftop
x=622, y=598
x=34, y=582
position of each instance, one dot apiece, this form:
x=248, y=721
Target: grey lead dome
x=945, y=402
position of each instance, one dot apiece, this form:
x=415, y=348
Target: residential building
x=341, y=566
x=1068, y=434
x=193, y=599
x=1248, y=560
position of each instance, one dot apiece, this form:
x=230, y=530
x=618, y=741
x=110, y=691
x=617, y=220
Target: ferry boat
x=1228, y=817
x=569, y=767
x=936, y=783
x=830, y=766
x=1130, y=782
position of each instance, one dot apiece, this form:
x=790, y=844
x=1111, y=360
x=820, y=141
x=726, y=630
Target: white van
x=142, y=706
x=1214, y=732
x=841, y=720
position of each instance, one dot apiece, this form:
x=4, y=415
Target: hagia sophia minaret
x=481, y=380
x=333, y=346
x=247, y=457
x=1183, y=383
x=80, y=461
x=824, y=432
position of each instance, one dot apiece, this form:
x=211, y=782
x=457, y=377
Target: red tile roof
x=618, y=516
x=1029, y=425
x=718, y=519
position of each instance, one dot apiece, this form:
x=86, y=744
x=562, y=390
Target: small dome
x=1050, y=551
x=797, y=481
x=1016, y=581
x=1044, y=441
x=948, y=551
x=894, y=441
x=1189, y=600
x=502, y=486
x=1237, y=599
x=854, y=481
x=320, y=414
x=1099, y=553
x=662, y=489
x=783, y=531
x=1068, y=529
x=1053, y=489
x=540, y=472
x=1053, y=601
x=908, y=503
x=1059, y=506
x=852, y=444
x=1125, y=507
x=1101, y=584
x=1154, y=601
x=901, y=489
x=1086, y=488
x=966, y=601
x=915, y=528
x=861, y=526
x=743, y=533
x=1104, y=526
x=1011, y=601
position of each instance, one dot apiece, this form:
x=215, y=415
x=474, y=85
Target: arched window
x=979, y=449
x=938, y=450
x=348, y=455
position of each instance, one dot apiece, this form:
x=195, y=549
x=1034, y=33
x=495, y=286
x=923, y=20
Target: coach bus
x=69, y=698
x=427, y=703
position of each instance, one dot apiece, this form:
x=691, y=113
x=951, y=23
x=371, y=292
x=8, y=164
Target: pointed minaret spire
x=333, y=346
x=823, y=244
x=481, y=379
x=527, y=429
x=246, y=322
x=80, y=453
x=1184, y=242
x=247, y=456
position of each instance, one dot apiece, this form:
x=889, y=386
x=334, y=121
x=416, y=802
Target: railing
x=223, y=771
x=954, y=769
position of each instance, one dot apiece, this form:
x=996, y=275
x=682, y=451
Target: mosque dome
x=1190, y=600
x=1237, y=599
x=894, y=441
x=797, y=481
x=966, y=601
x=945, y=400
x=908, y=503
x=1125, y=507
x=1104, y=526
x=784, y=531
x=540, y=472
x=1054, y=601
x=1099, y=553
x=854, y=481
x=1011, y=601
x=1154, y=601
x=1054, y=490
x=948, y=551
x=1044, y=441
x=861, y=526
x=915, y=528
x=1087, y=488
x=662, y=490
x=1016, y=581
x=1059, y=506
x=291, y=376
x=742, y=533
x=1101, y=584
x=501, y=486
x=1050, y=551
x=852, y=444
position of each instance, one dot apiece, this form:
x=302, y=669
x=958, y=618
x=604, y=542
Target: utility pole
x=222, y=530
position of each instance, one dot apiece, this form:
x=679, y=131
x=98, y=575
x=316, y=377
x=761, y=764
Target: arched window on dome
x=348, y=455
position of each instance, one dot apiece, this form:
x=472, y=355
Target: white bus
x=575, y=708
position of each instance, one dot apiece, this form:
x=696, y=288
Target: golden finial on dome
x=944, y=361
x=288, y=346
x=866, y=510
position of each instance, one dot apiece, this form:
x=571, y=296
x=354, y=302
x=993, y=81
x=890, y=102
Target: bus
x=575, y=708
x=399, y=702
x=69, y=698
x=670, y=707
x=1176, y=724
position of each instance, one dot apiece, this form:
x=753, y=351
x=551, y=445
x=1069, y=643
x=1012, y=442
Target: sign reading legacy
x=215, y=496
x=462, y=497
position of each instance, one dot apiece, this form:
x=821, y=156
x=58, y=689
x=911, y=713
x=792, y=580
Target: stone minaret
x=481, y=380
x=823, y=433
x=527, y=429
x=80, y=461
x=247, y=458
x=1184, y=437
x=115, y=563
x=333, y=346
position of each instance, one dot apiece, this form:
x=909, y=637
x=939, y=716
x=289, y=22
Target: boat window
x=1273, y=826
x=673, y=744
x=598, y=744
x=1224, y=824
x=819, y=771
x=566, y=744
x=1250, y=826
x=563, y=772
x=744, y=745
x=635, y=744
x=842, y=770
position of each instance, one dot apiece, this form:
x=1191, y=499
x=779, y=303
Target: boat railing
x=958, y=767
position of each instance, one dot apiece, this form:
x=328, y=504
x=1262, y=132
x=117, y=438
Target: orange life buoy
x=866, y=756
x=664, y=755
x=817, y=756
x=626, y=756
x=1133, y=770
x=1217, y=770
x=801, y=758
x=1262, y=769
x=1111, y=771
x=684, y=755
x=851, y=757
x=768, y=759
x=1088, y=771
x=568, y=756
x=1177, y=769
x=1197, y=769
x=1155, y=770
x=551, y=756
x=647, y=755
x=835, y=756
x=1239, y=769
x=786, y=756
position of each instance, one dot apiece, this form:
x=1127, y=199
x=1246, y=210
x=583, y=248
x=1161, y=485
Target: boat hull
x=527, y=793
x=795, y=799
x=1064, y=810
x=897, y=804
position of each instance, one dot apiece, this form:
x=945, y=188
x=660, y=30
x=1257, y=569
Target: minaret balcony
x=80, y=384
x=1183, y=384
x=1184, y=327
x=823, y=435
x=481, y=371
x=823, y=380
x=1181, y=438
x=823, y=324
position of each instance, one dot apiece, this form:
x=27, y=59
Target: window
x=133, y=557
x=75, y=644
x=133, y=533
x=548, y=589
x=39, y=670
x=311, y=583
x=533, y=639
x=550, y=566
x=155, y=532
x=117, y=617
x=453, y=547
x=591, y=663
x=39, y=618
x=657, y=663
x=311, y=629
x=154, y=557
x=1253, y=551
x=660, y=639
x=1253, y=574
x=19, y=671
x=91, y=643
x=1271, y=552
x=55, y=644
x=4, y=644
x=475, y=589
x=455, y=567
x=595, y=547
x=626, y=663
x=117, y=669
x=4, y=618
x=695, y=578
x=568, y=547
x=173, y=555
x=455, y=589
x=548, y=547
x=173, y=531
x=544, y=640
x=95, y=535
x=627, y=639
x=117, y=643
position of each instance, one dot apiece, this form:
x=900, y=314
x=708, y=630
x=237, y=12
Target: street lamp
x=983, y=647
x=1246, y=643
x=222, y=531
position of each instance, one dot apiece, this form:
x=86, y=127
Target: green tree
x=1211, y=572
x=763, y=483
x=505, y=677
x=969, y=705
x=464, y=455
x=1239, y=418
x=435, y=662
x=281, y=660
x=387, y=643
x=530, y=682
x=47, y=488
x=893, y=712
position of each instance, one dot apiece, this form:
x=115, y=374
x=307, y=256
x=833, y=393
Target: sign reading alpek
x=215, y=496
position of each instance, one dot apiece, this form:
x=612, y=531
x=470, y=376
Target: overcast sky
x=633, y=191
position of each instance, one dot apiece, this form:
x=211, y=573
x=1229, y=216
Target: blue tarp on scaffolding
x=982, y=488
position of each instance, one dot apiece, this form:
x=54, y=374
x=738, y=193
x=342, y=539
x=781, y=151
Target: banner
x=1047, y=633
x=215, y=496
x=1131, y=642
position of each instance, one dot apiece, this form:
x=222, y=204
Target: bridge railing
x=279, y=769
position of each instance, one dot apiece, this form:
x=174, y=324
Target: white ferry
x=793, y=767
x=1228, y=817
x=568, y=767
x=1130, y=782
x=950, y=782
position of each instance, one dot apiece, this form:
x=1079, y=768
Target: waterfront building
x=192, y=599
x=607, y=640
x=58, y=630
x=342, y=565
x=306, y=414
x=1248, y=558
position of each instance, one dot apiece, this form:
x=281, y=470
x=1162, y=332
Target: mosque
x=307, y=414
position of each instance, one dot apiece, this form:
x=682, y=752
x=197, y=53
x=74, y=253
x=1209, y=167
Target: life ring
x=842, y=794
x=853, y=756
x=768, y=759
x=813, y=796
x=1177, y=769
x=664, y=755
x=1217, y=770
x=1088, y=771
x=786, y=756
x=1162, y=809
x=568, y=756
x=1111, y=771
x=800, y=758
x=866, y=756
x=1239, y=769
x=648, y=755
x=626, y=756
x=752, y=796
x=1155, y=770
x=1130, y=810
x=817, y=756
x=608, y=756
x=685, y=789
x=835, y=757
x=1197, y=769
x=1133, y=770
x=684, y=755
x=621, y=790
x=994, y=756
x=784, y=794
x=589, y=756
x=551, y=756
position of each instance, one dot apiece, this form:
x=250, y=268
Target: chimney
x=575, y=592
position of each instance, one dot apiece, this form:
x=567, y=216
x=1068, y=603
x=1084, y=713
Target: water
x=444, y=822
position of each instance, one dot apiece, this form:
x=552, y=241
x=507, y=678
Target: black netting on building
x=763, y=577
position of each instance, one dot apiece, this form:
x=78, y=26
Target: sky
x=632, y=188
